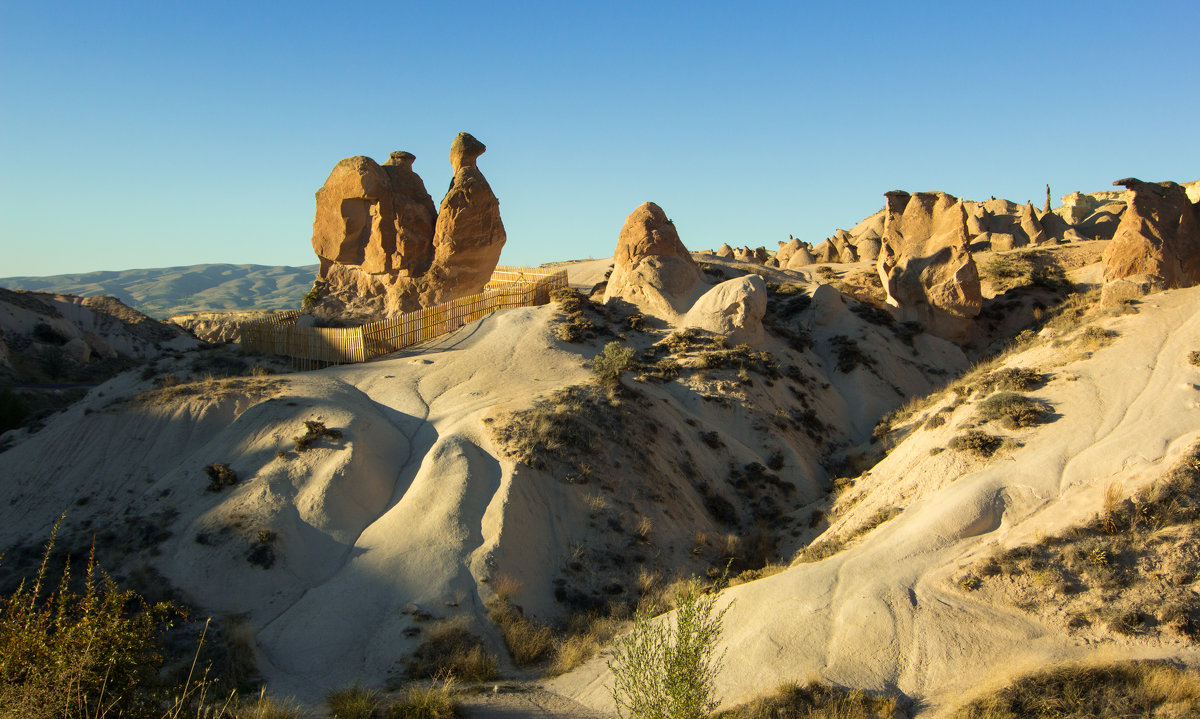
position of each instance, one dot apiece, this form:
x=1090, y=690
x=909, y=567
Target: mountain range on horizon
x=165, y=291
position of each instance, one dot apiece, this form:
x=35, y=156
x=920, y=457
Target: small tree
x=668, y=671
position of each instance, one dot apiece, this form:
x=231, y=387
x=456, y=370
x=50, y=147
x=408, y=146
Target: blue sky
x=170, y=133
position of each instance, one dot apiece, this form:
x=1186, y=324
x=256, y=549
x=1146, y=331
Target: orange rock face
x=385, y=248
x=1158, y=236
x=925, y=264
x=651, y=267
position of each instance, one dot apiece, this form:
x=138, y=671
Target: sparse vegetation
x=434, y=701
x=849, y=356
x=314, y=430
x=976, y=442
x=450, y=649
x=1011, y=379
x=575, y=325
x=1194, y=358
x=816, y=701
x=1129, y=571
x=1122, y=689
x=354, y=702
x=220, y=476
x=1024, y=269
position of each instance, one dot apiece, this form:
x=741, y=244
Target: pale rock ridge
x=384, y=246
x=1157, y=243
x=925, y=265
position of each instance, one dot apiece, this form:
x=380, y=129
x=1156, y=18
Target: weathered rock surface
x=386, y=249
x=651, y=268
x=469, y=235
x=734, y=308
x=786, y=250
x=925, y=265
x=725, y=250
x=801, y=258
x=1157, y=242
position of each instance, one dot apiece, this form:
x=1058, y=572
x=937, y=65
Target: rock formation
x=384, y=247
x=786, y=250
x=802, y=257
x=651, y=268
x=725, y=251
x=925, y=264
x=734, y=308
x=1157, y=243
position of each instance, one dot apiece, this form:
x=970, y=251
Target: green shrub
x=976, y=442
x=1014, y=410
x=668, y=671
x=614, y=360
x=69, y=653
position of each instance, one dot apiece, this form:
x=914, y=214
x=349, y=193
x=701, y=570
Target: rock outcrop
x=651, y=268
x=1157, y=243
x=386, y=249
x=725, y=251
x=734, y=308
x=925, y=265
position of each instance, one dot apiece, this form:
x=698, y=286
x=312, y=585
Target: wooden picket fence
x=314, y=347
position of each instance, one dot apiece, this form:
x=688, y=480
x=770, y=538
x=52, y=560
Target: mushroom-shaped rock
x=925, y=265
x=733, y=308
x=469, y=235
x=1157, y=240
x=651, y=267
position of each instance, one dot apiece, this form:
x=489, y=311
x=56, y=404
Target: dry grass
x=834, y=543
x=450, y=649
x=815, y=701
x=1122, y=689
x=433, y=701
x=353, y=702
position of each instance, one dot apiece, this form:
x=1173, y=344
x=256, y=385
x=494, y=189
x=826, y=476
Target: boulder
x=733, y=308
x=651, y=268
x=925, y=264
x=1157, y=239
x=868, y=249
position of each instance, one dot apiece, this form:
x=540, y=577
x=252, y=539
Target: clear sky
x=152, y=134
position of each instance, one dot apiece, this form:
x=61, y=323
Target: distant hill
x=161, y=292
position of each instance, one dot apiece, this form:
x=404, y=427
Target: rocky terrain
x=952, y=445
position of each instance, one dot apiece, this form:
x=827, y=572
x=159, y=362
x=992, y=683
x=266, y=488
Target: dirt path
x=510, y=700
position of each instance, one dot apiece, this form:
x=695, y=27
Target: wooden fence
x=312, y=347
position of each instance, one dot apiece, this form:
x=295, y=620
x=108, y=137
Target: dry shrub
x=1012, y=379
x=1122, y=689
x=529, y=643
x=1194, y=358
x=450, y=649
x=586, y=635
x=314, y=430
x=220, y=476
x=816, y=701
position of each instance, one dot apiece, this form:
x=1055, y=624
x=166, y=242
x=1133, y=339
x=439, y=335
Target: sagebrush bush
x=1014, y=410
x=815, y=701
x=976, y=442
x=613, y=361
